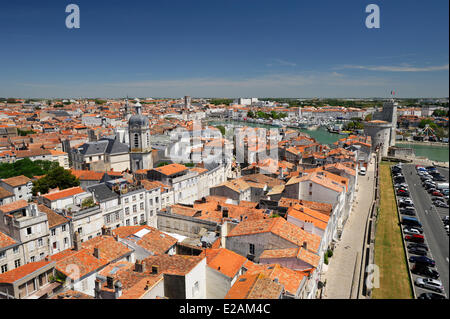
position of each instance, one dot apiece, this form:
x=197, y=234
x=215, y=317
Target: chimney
x=106, y=230
x=224, y=212
x=97, y=289
x=97, y=252
x=117, y=289
x=109, y=282
x=139, y=266
x=147, y=286
x=76, y=241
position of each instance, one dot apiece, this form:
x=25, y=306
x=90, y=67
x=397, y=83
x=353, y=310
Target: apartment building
x=21, y=186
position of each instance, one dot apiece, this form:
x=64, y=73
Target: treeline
x=262, y=115
x=26, y=167
x=221, y=101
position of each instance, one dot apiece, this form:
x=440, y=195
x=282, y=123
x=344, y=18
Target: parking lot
x=434, y=233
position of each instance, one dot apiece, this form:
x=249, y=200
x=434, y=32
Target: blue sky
x=224, y=48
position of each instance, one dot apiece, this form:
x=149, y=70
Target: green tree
x=430, y=123
x=221, y=129
x=250, y=114
x=440, y=113
x=25, y=132
x=11, y=100
x=100, y=102
x=56, y=177
x=368, y=117
x=87, y=202
x=26, y=167
x=162, y=164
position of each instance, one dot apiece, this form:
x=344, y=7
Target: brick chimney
x=106, y=231
x=139, y=266
x=109, y=282
x=76, y=241
x=97, y=252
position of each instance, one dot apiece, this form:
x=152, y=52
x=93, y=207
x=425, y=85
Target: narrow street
x=339, y=273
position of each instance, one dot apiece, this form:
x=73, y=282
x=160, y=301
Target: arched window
x=136, y=140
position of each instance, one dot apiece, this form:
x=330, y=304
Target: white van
x=362, y=171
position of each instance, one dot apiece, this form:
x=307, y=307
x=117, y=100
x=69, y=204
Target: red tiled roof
x=64, y=193
x=225, y=261
x=16, y=181
x=11, y=207
x=279, y=227
x=6, y=241
x=22, y=271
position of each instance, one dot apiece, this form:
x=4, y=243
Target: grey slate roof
x=105, y=145
x=102, y=192
x=115, y=146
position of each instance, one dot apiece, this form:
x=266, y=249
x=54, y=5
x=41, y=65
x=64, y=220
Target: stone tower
x=389, y=114
x=140, y=145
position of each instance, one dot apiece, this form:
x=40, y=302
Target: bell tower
x=140, y=144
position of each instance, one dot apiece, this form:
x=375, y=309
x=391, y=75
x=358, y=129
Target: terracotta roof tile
x=16, y=181
x=22, y=271
x=225, y=261
x=255, y=286
x=64, y=193
x=54, y=219
x=6, y=241
x=11, y=207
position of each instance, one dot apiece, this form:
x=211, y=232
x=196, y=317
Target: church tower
x=139, y=136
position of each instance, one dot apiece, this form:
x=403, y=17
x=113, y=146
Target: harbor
x=425, y=152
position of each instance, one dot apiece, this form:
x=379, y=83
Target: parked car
x=402, y=192
x=417, y=251
x=440, y=204
x=405, y=205
x=418, y=269
x=422, y=260
x=411, y=231
x=430, y=295
x=428, y=184
x=415, y=238
x=406, y=200
x=418, y=245
x=437, y=193
x=414, y=228
x=431, y=190
x=408, y=212
x=429, y=283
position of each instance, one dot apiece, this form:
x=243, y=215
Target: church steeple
x=139, y=136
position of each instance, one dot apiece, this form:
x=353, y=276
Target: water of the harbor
x=432, y=152
x=321, y=135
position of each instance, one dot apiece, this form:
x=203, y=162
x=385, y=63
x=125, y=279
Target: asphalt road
x=433, y=228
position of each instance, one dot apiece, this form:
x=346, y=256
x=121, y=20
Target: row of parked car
x=422, y=265
x=432, y=183
x=439, y=191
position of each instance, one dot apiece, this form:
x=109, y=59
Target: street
x=433, y=227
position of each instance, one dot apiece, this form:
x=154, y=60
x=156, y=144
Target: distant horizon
x=285, y=48
x=225, y=97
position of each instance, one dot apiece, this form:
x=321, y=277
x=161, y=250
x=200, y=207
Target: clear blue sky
x=224, y=48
